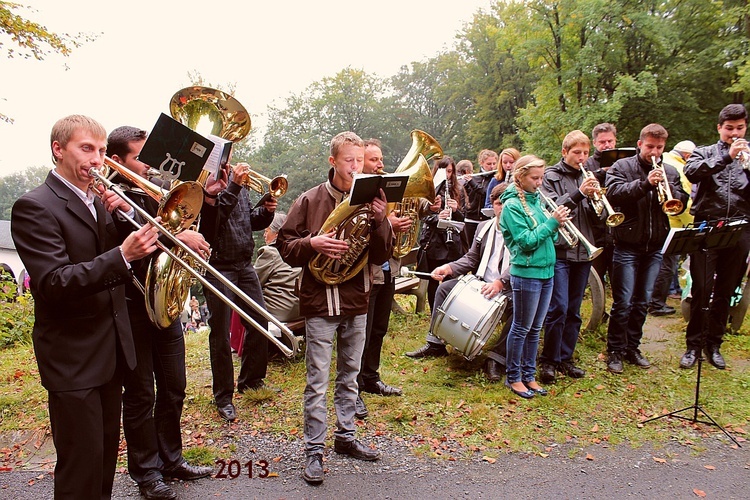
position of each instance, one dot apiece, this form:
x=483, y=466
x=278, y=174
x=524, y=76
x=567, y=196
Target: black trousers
x=86, y=431
x=378, y=317
x=151, y=418
x=255, y=346
x=718, y=272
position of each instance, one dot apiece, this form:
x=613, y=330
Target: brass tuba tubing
x=93, y=172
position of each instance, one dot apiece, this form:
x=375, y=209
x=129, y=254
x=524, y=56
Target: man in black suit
x=82, y=338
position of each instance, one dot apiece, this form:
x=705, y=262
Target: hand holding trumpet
x=739, y=145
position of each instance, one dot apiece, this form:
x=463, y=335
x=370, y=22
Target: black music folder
x=367, y=187
x=174, y=149
x=610, y=156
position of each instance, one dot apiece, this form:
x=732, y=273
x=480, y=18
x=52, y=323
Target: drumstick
x=406, y=272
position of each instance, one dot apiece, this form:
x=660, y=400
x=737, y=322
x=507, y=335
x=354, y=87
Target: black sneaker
x=614, y=363
x=313, y=473
x=635, y=357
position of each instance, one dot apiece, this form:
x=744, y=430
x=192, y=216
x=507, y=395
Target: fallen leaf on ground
x=589, y=456
x=489, y=460
x=699, y=493
x=660, y=460
x=709, y=467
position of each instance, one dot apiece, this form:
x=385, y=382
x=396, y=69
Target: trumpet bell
x=210, y=111
x=672, y=207
x=615, y=219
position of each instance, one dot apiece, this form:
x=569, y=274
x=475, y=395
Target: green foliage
x=13, y=186
x=16, y=314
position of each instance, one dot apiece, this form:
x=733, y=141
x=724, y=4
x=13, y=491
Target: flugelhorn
x=568, y=230
x=669, y=204
x=200, y=261
x=600, y=203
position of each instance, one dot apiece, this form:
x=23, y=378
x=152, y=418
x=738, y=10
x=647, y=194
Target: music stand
x=712, y=235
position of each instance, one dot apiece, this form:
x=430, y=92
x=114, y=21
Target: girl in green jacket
x=530, y=235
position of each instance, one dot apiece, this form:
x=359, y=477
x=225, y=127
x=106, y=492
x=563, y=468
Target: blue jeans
x=563, y=322
x=531, y=299
x=349, y=332
x=633, y=276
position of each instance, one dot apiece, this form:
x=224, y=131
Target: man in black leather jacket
x=723, y=192
x=632, y=189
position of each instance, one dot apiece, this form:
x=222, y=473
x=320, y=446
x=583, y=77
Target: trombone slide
x=231, y=286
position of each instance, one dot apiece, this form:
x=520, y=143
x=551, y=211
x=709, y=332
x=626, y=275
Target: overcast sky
x=145, y=50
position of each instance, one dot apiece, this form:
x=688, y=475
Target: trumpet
x=600, y=203
x=100, y=177
x=261, y=184
x=669, y=204
x=743, y=157
x=568, y=230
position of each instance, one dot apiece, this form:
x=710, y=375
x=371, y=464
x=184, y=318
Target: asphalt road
x=668, y=470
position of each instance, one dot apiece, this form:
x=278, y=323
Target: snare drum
x=466, y=320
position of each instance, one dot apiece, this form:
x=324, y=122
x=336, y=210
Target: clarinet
x=449, y=229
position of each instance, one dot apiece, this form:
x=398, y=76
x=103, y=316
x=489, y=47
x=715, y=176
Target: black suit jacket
x=77, y=273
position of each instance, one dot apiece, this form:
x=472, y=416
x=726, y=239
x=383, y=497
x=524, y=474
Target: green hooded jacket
x=531, y=241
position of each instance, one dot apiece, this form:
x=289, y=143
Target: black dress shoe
x=570, y=369
x=157, y=490
x=662, y=311
x=360, y=410
x=313, y=473
x=527, y=394
x=355, y=449
x=227, y=412
x=547, y=373
x=382, y=389
x=689, y=358
x=614, y=363
x=493, y=370
x=635, y=357
x=429, y=351
x=715, y=357
x=186, y=472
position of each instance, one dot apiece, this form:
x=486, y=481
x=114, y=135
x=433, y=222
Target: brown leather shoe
x=493, y=370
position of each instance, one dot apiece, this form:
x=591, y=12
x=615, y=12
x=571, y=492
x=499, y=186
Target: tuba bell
x=420, y=186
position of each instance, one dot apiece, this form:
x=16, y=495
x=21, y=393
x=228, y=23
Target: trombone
x=600, y=203
x=568, y=230
x=102, y=178
x=669, y=204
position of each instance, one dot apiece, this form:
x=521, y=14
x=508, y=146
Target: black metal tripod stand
x=720, y=235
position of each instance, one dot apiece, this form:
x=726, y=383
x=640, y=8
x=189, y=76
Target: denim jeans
x=255, y=347
x=563, y=322
x=151, y=420
x=664, y=280
x=633, y=276
x=349, y=332
x=531, y=299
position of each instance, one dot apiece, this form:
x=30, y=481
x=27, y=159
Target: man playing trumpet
x=633, y=186
x=723, y=192
x=566, y=184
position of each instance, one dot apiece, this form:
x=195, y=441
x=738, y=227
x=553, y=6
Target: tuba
x=420, y=186
x=167, y=286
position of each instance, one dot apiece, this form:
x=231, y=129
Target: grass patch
x=448, y=409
